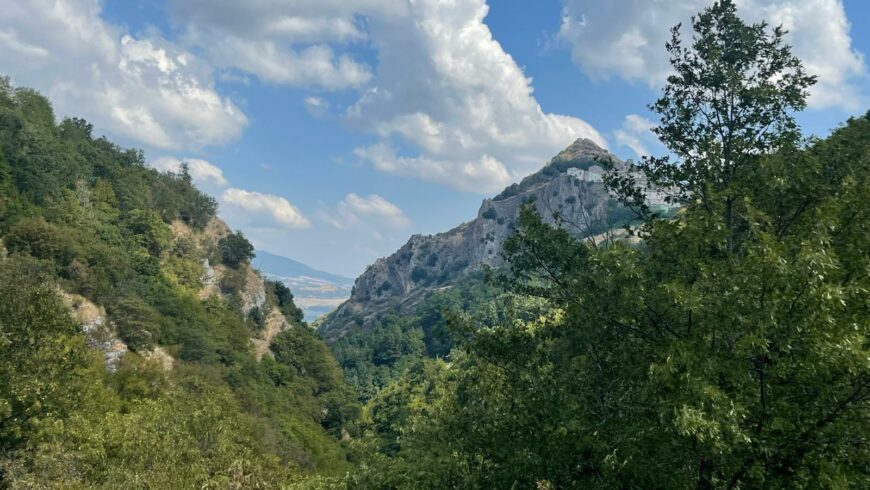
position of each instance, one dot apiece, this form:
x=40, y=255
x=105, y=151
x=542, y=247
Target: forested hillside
x=718, y=338
x=726, y=346
x=138, y=348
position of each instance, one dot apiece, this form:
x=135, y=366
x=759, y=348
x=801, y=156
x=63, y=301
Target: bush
x=257, y=317
x=149, y=230
x=285, y=300
x=40, y=239
x=234, y=249
x=138, y=323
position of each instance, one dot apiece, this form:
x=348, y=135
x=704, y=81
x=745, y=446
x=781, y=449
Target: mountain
x=285, y=267
x=568, y=191
x=315, y=291
x=138, y=345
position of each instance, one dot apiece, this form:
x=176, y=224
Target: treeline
x=374, y=357
x=724, y=347
x=82, y=218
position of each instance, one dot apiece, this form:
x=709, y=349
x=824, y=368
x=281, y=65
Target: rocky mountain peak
x=569, y=185
x=581, y=149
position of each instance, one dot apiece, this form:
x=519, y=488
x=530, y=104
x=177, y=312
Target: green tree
x=726, y=349
x=731, y=98
x=234, y=249
x=284, y=298
x=138, y=323
x=45, y=369
x=149, y=231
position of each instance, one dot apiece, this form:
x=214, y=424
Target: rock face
x=569, y=187
x=274, y=324
x=99, y=333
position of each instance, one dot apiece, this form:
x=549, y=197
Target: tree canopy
x=726, y=347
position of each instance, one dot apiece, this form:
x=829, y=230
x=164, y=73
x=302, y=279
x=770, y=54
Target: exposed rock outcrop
x=568, y=192
x=99, y=332
x=275, y=323
x=254, y=293
x=248, y=285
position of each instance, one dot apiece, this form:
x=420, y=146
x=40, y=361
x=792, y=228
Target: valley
x=696, y=315
x=316, y=292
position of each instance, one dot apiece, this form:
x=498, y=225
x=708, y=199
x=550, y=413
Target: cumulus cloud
x=312, y=66
x=485, y=175
x=276, y=210
x=251, y=209
x=447, y=89
x=626, y=38
x=372, y=210
x=203, y=172
x=299, y=21
x=636, y=133
x=146, y=89
x=376, y=206
x=446, y=102
x=282, y=42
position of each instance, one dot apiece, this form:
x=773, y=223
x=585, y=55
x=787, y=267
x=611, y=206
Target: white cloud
x=626, y=38
x=377, y=207
x=485, y=175
x=445, y=87
x=282, y=42
x=312, y=66
x=9, y=39
x=275, y=209
x=146, y=89
x=446, y=102
x=203, y=172
x=636, y=133
x=316, y=106
x=299, y=21
x=372, y=210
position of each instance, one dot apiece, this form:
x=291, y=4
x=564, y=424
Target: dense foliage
x=722, y=346
x=374, y=357
x=284, y=301
x=727, y=348
x=83, y=218
x=234, y=249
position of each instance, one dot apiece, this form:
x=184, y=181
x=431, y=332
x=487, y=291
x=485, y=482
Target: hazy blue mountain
x=316, y=292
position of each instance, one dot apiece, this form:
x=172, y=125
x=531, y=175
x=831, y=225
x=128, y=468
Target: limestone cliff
x=243, y=285
x=568, y=191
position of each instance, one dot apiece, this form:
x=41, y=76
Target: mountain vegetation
x=725, y=347
x=160, y=386
x=699, y=320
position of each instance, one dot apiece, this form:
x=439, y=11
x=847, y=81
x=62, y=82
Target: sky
x=330, y=131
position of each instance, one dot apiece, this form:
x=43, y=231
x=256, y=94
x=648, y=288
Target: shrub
x=234, y=249
x=284, y=298
x=138, y=323
x=149, y=230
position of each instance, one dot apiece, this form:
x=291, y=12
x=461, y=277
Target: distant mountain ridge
x=569, y=186
x=316, y=292
x=283, y=266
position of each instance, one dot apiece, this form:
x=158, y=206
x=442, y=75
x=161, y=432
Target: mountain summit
x=569, y=186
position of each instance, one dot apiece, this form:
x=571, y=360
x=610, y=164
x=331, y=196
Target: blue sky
x=332, y=130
